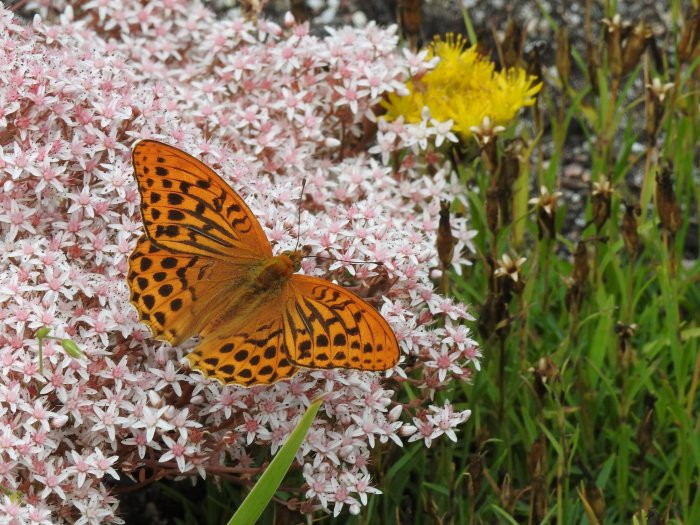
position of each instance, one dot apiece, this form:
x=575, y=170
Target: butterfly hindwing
x=327, y=326
x=188, y=208
x=251, y=354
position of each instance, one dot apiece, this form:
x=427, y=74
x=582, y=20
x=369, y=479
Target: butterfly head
x=295, y=256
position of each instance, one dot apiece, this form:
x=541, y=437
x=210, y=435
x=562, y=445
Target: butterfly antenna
x=378, y=263
x=301, y=199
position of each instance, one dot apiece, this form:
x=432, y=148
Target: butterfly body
x=275, y=271
x=263, y=282
x=205, y=268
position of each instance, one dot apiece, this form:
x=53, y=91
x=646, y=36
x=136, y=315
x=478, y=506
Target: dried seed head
x=490, y=266
x=629, y=227
x=486, y=131
x=645, y=431
x=300, y=11
x=654, y=105
x=251, y=9
x=512, y=46
x=574, y=295
x=659, y=90
x=580, y=264
x=485, y=135
x=601, y=198
x=563, y=58
x=544, y=374
x=614, y=43
x=689, y=43
x=445, y=240
x=492, y=315
x=545, y=224
x=533, y=61
x=537, y=458
x=615, y=24
x=635, y=45
x=507, y=495
x=508, y=278
x=624, y=344
x=410, y=18
x=509, y=268
x=666, y=203
x=507, y=175
x=476, y=473
x=654, y=517
x=510, y=164
x=593, y=61
x=547, y=201
x=546, y=205
x=594, y=502
x=546, y=369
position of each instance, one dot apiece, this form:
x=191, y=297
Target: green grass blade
x=255, y=503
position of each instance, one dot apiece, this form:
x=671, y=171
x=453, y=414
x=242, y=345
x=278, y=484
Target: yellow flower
x=450, y=49
x=515, y=90
x=408, y=106
x=465, y=88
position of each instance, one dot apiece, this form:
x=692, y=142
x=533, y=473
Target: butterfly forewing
x=327, y=326
x=177, y=294
x=188, y=208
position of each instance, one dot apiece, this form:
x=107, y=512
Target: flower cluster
x=462, y=88
x=266, y=106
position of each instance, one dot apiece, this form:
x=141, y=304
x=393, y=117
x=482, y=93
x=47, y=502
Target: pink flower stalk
x=266, y=107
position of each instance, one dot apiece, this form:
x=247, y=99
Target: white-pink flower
x=179, y=451
x=266, y=107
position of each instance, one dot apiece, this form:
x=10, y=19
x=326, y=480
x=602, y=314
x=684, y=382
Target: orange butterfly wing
x=174, y=292
x=188, y=208
x=327, y=326
x=248, y=349
x=309, y=322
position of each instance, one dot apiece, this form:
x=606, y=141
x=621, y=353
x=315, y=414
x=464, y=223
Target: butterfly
x=204, y=267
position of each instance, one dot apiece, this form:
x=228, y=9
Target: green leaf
x=263, y=491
